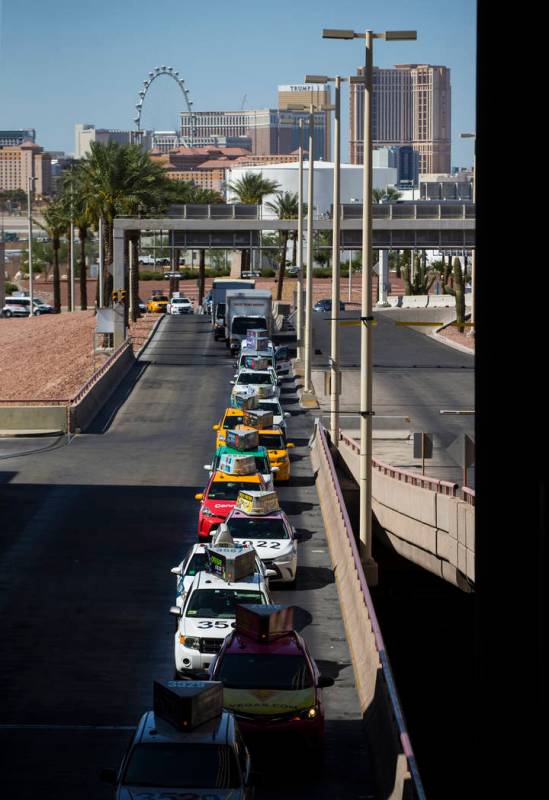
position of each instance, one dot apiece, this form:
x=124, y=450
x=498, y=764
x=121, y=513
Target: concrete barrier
x=414, y=300
x=421, y=518
x=441, y=301
x=35, y=418
x=393, y=760
x=91, y=399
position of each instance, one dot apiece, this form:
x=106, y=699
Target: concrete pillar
x=236, y=264
x=383, y=273
x=118, y=283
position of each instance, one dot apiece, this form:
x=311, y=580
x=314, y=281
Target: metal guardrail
x=380, y=644
x=407, y=476
x=468, y=495
x=100, y=372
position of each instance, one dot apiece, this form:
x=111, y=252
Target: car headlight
x=285, y=557
x=207, y=513
x=190, y=642
x=222, y=438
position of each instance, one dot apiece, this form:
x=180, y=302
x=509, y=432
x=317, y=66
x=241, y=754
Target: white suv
x=180, y=305
x=208, y=616
x=20, y=307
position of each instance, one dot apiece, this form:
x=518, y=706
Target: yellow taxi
x=277, y=450
x=158, y=304
x=231, y=418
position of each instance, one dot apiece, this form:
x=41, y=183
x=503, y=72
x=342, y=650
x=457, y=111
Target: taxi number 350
x=208, y=624
x=270, y=545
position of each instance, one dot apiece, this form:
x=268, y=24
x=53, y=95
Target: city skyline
x=96, y=69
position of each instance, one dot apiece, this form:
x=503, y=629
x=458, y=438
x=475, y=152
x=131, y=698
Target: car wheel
x=8, y=313
x=37, y=313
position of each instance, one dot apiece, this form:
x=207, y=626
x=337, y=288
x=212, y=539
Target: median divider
x=396, y=771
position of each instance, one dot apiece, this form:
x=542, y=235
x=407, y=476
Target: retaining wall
x=432, y=529
x=393, y=760
x=84, y=410
x=33, y=418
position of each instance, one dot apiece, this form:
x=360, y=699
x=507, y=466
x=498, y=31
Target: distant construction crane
x=243, y=103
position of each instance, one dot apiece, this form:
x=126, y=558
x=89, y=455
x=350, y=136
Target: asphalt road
x=414, y=376
x=89, y=532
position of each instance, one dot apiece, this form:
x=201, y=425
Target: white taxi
x=196, y=561
x=273, y=537
x=264, y=381
x=208, y=616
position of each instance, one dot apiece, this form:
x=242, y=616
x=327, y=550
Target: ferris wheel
x=171, y=73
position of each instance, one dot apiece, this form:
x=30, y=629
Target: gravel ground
x=50, y=357
x=452, y=333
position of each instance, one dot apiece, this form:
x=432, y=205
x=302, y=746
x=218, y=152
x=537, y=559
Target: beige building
x=410, y=106
x=24, y=161
x=306, y=93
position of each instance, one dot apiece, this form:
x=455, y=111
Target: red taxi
x=219, y=497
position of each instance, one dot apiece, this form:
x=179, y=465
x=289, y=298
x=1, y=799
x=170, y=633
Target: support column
x=118, y=283
x=383, y=277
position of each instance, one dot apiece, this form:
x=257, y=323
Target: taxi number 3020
x=270, y=545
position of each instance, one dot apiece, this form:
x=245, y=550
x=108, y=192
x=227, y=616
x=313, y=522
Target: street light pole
x=101, y=261
x=30, y=187
x=473, y=255
x=300, y=247
x=336, y=271
x=366, y=376
x=307, y=384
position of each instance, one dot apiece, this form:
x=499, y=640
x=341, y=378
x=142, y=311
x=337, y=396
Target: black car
x=326, y=305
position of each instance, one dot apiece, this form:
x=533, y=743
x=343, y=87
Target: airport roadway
x=89, y=532
x=415, y=376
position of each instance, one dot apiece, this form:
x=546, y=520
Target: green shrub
x=267, y=272
x=10, y=287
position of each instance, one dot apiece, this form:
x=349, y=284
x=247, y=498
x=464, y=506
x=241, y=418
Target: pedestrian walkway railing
x=468, y=495
x=100, y=372
x=407, y=476
x=382, y=698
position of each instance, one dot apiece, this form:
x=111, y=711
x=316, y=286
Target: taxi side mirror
x=232, y=383
x=176, y=571
x=215, y=427
x=323, y=682
x=199, y=496
x=275, y=469
x=287, y=414
x=270, y=573
x=176, y=611
x=208, y=467
x=290, y=444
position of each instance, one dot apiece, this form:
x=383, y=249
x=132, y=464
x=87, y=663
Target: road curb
x=306, y=399
x=455, y=345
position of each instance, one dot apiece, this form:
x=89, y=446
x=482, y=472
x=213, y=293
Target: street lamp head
x=399, y=35
x=468, y=135
x=337, y=33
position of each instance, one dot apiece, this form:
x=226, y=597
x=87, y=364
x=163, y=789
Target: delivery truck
x=246, y=309
x=219, y=290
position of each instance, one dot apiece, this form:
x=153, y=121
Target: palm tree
x=120, y=179
x=389, y=194
x=55, y=226
x=286, y=206
x=250, y=189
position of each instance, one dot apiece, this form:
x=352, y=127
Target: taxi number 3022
x=270, y=545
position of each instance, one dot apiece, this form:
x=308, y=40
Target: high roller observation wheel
x=171, y=73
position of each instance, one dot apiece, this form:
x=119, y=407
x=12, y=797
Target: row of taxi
x=243, y=674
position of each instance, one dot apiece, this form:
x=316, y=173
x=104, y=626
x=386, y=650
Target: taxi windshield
x=256, y=377
x=220, y=603
x=265, y=671
x=231, y=421
x=198, y=563
x=257, y=528
x=183, y=764
x=272, y=441
x=228, y=490
x=246, y=362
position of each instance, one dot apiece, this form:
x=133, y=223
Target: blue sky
x=62, y=62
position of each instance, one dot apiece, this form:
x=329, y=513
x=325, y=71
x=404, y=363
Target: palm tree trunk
x=201, y=275
x=82, y=234
x=282, y=269
x=134, y=239
x=294, y=248
x=56, y=281
x=107, y=276
x=69, y=260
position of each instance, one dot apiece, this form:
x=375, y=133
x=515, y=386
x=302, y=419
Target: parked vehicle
x=326, y=305
x=20, y=307
x=180, y=305
x=244, y=310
